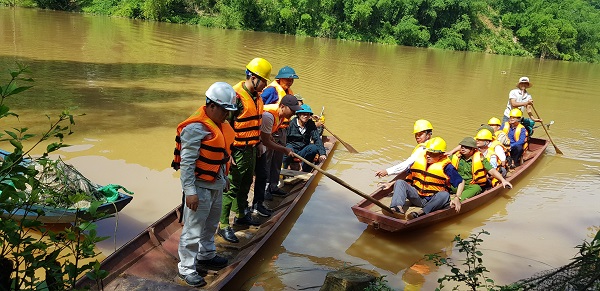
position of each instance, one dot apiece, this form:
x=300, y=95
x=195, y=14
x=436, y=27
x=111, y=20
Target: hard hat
x=516, y=113
x=468, y=142
x=484, y=134
x=222, y=94
x=260, y=67
x=422, y=125
x=286, y=73
x=494, y=121
x=486, y=127
x=436, y=145
x=305, y=109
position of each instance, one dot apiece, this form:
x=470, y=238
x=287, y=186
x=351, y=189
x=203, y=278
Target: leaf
x=18, y=90
x=16, y=144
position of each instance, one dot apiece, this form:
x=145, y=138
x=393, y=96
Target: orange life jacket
x=247, y=124
x=477, y=169
x=517, y=133
x=214, y=150
x=281, y=93
x=429, y=179
x=274, y=110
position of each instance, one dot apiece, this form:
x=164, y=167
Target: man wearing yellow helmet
x=422, y=131
x=428, y=183
x=473, y=167
x=499, y=135
x=246, y=122
x=518, y=136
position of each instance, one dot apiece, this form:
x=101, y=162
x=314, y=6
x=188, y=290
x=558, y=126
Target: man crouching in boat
x=473, y=167
x=202, y=153
x=428, y=183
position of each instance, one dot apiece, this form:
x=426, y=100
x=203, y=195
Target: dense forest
x=554, y=29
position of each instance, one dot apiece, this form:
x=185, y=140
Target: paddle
x=339, y=181
x=550, y=138
x=346, y=145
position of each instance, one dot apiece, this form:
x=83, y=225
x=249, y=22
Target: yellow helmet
x=260, y=67
x=422, y=125
x=484, y=134
x=436, y=145
x=516, y=113
x=494, y=121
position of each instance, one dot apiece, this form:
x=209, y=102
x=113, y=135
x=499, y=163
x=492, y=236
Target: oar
x=339, y=181
x=550, y=138
x=346, y=145
x=547, y=125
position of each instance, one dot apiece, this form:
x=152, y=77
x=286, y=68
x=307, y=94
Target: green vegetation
x=33, y=257
x=564, y=30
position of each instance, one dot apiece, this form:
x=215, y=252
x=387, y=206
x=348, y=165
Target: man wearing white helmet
x=202, y=153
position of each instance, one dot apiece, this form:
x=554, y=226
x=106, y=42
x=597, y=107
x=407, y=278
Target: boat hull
x=371, y=214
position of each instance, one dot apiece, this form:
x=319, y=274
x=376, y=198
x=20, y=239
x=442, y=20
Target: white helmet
x=222, y=94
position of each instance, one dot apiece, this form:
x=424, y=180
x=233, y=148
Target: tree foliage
x=564, y=30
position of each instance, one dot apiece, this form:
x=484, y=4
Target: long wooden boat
x=56, y=215
x=149, y=261
x=372, y=215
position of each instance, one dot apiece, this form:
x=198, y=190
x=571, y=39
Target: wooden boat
x=63, y=215
x=149, y=261
x=371, y=214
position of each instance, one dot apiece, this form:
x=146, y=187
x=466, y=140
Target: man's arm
x=191, y=139
x=402, y=167
x=266, y=137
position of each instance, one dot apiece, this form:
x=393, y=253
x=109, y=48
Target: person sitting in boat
x=518, y=136
x=473, y=167
x=202, y=153
x=499, y=135
x=428, y=182
x=494, y=152
x=304, y=139
x=319, y=120
x=422, y=130
x=272, y=121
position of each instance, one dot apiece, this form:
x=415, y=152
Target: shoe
x=228, y=235
x=216, y=262
x=246, y=220
x=261, y=210
x=398, y=210
x=193, y=279
x=278, y=192
x=412, y=215
x=268, y=196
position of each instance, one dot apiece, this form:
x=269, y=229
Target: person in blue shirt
x=518, y=135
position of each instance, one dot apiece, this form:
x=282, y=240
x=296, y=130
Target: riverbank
x=567, y=31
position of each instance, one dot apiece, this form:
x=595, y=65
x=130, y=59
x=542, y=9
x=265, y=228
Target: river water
x=135, y=81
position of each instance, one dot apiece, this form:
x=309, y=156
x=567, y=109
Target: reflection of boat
x=151, y=258
x=371, y=214
x=67, y=215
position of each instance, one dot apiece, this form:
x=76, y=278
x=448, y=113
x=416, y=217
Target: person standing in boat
x=473, y=167
x=304, y=139
x=422, y=130
x=202, y=153
x=428, y=182
x=517, y=133
x=273, y=95
x=246, y=124
x=272, y=119
x=519, y=98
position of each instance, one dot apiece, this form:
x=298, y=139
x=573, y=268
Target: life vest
x=417, y=147
x=281, y=93
x=274, y=110
x=517, y=133
x=431, y=179
x=214, y=151
x=247, y=124
x=477, y=169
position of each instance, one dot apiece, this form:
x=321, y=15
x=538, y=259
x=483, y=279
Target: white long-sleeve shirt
x=402, y=167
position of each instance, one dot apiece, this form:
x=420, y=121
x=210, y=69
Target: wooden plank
x=291, y=173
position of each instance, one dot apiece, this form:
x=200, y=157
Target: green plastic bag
x=111, y=192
